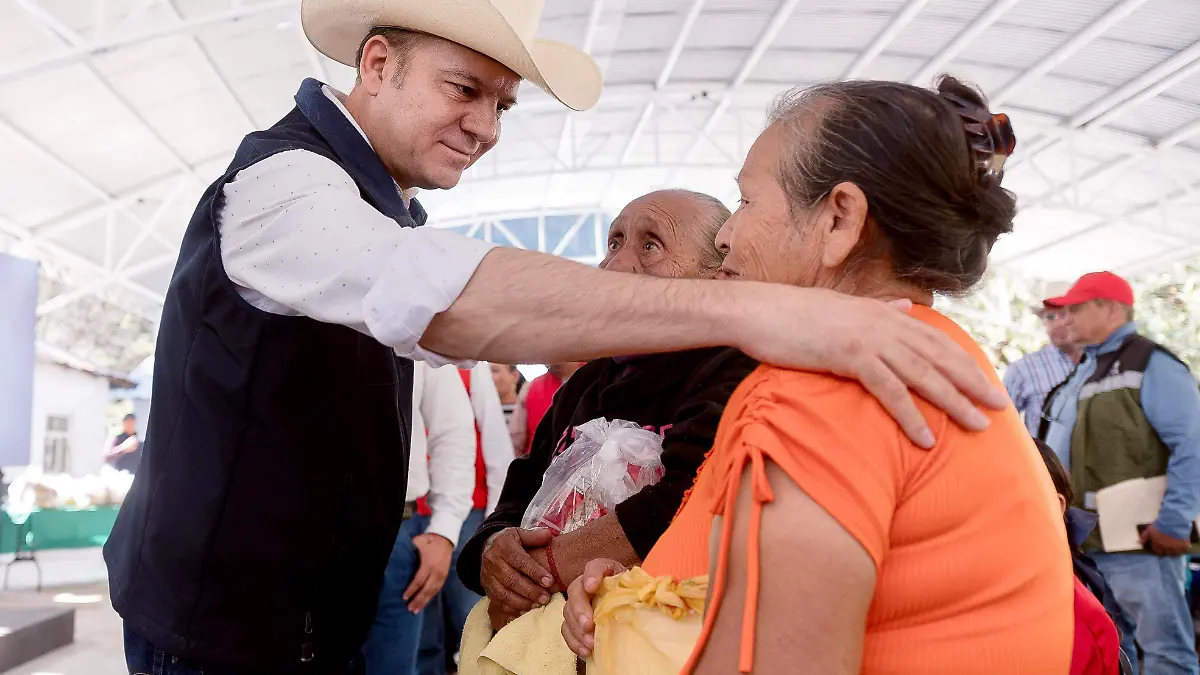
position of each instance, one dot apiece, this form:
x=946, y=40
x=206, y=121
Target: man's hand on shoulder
x=891, y=353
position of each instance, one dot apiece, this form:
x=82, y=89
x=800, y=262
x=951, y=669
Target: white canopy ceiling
x=115, y=114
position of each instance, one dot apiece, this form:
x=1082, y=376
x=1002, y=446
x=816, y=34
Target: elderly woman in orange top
x=834, y=544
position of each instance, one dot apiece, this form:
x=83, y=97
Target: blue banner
x=18, y=308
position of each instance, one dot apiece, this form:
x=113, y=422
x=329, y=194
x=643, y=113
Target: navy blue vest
x=272, y=481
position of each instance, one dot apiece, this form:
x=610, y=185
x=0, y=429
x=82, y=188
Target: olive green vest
x=1112, y=440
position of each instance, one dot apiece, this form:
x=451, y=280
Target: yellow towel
x=646, y=625
x=530, y=645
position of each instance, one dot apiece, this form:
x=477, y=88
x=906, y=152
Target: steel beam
x=1135, y=92
x=884, y=38
x=1125, y=216
x=765, y=39
x=86, y=51
x=77, y=261
x=935, y=65
x=206, y=56
x=1068, y=49
x=109, y=200
x=636, y=133
x=92, y=288
x=1117, y=165
x=1117, y=100
x=685, y=31
x=570, y=234
x=51, y=23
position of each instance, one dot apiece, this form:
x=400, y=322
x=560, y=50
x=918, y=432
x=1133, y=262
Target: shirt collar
x=339, y=100
x=1114, y=340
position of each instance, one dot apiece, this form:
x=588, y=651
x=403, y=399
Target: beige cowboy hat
x=504, y=30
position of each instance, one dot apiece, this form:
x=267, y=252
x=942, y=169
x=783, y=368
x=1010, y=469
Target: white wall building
x=69, y=424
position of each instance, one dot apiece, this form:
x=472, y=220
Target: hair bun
x=990, y=136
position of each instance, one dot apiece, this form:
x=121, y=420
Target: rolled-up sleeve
x=1171, y=402
x=297, y=237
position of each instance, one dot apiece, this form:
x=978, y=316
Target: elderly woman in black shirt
x=669, y=233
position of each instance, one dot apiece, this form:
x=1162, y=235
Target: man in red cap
x=1131, y=411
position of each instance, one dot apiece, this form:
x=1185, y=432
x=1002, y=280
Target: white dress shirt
x=298, y=239
x=493, y=432
x=441, y=408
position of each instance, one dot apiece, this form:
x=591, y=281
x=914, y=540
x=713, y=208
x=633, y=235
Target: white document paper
x=1124, y=506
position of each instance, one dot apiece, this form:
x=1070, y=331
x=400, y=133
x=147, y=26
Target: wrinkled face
x=768, y=239
x=760, y=241
x=1058, y=326
x=505, y=379
x=661, y=234
x=434, y=116
x=1091, y=323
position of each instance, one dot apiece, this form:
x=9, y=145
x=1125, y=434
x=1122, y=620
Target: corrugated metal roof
x=141, y=101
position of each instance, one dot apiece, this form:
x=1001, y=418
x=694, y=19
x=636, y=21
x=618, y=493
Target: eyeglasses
x=1054, y=314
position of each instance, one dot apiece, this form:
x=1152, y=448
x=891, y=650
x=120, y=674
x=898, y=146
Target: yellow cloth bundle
x=530, y=645
x=646, y=625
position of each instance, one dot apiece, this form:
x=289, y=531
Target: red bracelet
x=553, y=568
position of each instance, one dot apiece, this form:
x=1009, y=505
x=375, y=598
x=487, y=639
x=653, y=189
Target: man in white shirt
x=445, y=616
x=255, y=535
x=439, y=502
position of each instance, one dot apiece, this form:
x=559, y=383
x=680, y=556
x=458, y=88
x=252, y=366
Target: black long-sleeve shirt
x=681, y=395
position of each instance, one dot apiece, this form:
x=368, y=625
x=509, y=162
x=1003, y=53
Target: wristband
x=553, y=567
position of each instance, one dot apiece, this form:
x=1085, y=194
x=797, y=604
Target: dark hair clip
x=990, y=136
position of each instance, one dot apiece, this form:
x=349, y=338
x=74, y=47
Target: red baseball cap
x=1095, y=286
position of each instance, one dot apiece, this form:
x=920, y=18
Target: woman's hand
x=873, y=342
x=578, y=629
x=510, y=576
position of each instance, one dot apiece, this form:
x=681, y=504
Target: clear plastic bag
x=607, y=463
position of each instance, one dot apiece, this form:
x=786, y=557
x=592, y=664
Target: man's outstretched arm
x=296, y=237
x=521, y=307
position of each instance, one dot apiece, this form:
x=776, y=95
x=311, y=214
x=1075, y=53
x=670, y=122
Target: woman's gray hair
x=907, y=149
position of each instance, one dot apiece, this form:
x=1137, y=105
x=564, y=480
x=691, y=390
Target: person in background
x=834, y=544
x=1099, y=621
x=539, y=395
x=1131, y=410
x=441, y=478
x=444, y=617
x=124, y=451
x=668, y=233
x=1031, y=377
x=509, y=385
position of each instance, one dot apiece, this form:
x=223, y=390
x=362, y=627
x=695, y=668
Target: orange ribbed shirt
x=973, y=571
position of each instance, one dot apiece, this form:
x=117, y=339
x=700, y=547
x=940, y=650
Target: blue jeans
x=391, y=646
x=1150, y=590
x=143, y=658
x=446, y=615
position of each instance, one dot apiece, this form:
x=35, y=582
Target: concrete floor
x=75, y=578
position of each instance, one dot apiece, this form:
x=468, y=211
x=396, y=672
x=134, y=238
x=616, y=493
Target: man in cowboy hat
x=1031, y=377
x=256, y=534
